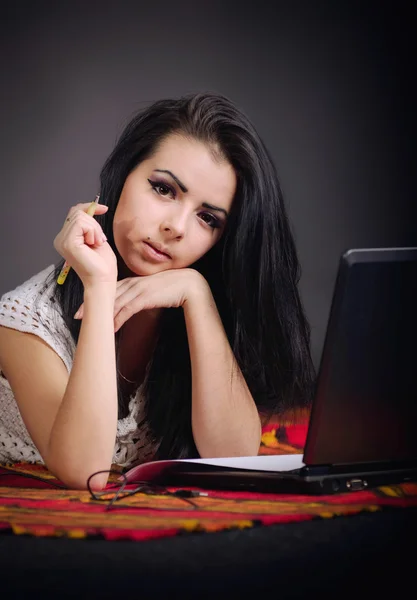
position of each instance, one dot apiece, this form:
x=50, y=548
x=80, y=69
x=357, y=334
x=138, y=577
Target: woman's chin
x=141, y=269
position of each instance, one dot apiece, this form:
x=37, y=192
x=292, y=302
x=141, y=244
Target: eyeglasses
x=118, y=490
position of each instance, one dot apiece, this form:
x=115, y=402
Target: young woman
x=179, y=327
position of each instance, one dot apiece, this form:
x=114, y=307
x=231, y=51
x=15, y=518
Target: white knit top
x=26, y=309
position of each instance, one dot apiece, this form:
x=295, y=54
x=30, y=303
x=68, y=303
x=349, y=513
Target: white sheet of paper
x=284, y=462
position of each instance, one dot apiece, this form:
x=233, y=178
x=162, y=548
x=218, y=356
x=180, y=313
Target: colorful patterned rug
x=44, y=507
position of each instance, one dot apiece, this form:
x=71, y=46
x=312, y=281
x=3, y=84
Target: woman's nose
x=174, y=226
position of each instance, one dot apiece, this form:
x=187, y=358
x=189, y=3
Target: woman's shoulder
x=31, y=288
x=30, y=303
x=32, y=308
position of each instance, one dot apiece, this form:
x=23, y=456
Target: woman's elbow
x=77, y=479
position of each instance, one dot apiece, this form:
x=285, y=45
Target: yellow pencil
x=66, y=268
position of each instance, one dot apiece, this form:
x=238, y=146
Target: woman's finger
x=100, y=209
x=122, y=287
x=90, y=230
x=126, y=295
x=80, y=312
x=127, y=311
x=89, y=237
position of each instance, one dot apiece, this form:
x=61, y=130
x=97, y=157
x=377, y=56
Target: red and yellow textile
x=32, y=507
x=284, y=438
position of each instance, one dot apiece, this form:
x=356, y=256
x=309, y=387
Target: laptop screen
x=365, y=409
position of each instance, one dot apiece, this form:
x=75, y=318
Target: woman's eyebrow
x=178, y=182
x=185, y=190
x=217, y=208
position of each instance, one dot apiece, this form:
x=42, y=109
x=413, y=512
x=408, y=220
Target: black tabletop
x=359, y=555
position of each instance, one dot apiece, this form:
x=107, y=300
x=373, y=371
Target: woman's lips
x=155, y=255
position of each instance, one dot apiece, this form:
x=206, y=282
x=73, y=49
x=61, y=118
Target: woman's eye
x=162, y=188
x=211, y=220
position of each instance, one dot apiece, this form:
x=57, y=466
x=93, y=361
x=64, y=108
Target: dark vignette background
x=329, y=86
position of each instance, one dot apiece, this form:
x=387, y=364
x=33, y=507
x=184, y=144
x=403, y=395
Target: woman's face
x=173, y=207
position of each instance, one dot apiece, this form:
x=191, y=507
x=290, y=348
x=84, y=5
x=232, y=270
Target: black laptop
x=363, y=425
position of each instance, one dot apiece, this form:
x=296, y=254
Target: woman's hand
x=83, y=244
x=168, y=289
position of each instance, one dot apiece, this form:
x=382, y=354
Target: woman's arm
x=84, y=431
x=225, y=420
x=71, y=419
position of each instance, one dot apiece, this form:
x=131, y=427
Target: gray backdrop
x=328, y=85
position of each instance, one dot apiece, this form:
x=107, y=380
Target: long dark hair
x=253, y=272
